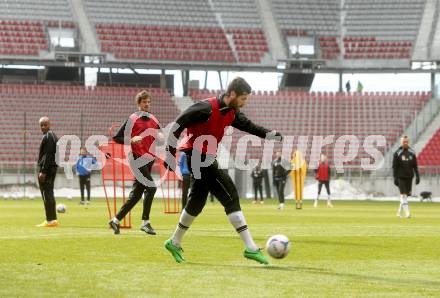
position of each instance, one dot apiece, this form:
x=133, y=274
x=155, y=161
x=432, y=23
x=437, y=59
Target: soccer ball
x=61, y=208
x=278, y=246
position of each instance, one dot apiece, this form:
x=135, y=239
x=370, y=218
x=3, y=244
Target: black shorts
x=405, y=186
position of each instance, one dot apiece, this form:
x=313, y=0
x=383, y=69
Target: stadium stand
x=48, y=10
x=170, y=30
x=325, y=113
x=329, y=47
x=22, y=38
x=218, y=31
x=370, y=48
x=179, y=31
x=242, y=22
x=390, y=19
x=430, y=156
x=24, y=23
x=131, y=41
x=381, y=29
x=73, y=110
x=317, y=18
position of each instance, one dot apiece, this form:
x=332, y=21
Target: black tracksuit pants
x=84, y=181
x=186, y=182
x=46, y=189
x=216, y=181
x=258, y=188
x=326, y=184
x=279, y=185
x=136, y=194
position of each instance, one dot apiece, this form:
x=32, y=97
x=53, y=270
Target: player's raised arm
x=242, y=123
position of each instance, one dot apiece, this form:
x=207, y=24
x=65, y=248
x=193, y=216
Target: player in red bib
x=207, y=120
x=135, y=132
x=323, y=177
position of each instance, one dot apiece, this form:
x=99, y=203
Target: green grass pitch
x=357, y=249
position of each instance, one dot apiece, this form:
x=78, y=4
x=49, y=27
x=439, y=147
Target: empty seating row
x=27, y=38
x=296, y=113
x=72, y=109
x=27, y=11
x=387, y=20
x=163, y=43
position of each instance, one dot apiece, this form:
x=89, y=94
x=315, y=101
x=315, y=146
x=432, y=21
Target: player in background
x=210, y=117
x=84, y=167
x=47, y=171
x=323, y=175
x=139, y=122
x=404, y=169
x=280, y=170
x=257, y=182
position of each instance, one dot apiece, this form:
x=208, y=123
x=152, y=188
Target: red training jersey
x=323, y=172
x=214, y=126
x=140, y=125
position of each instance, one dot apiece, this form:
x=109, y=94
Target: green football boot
x=256, y=255
x=175, y=251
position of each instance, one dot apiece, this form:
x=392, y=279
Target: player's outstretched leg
x=176, y=251
x=252, y=251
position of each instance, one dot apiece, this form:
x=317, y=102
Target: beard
x=234, y=105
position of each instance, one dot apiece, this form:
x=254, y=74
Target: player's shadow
x=273, y=267
x=97, y=227
x=387, y=280
x=320, y=271
x=338, y=243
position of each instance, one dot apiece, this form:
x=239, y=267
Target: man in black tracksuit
x=47, y=170
x=257, y=182
x=404, y=168
x=280, y=170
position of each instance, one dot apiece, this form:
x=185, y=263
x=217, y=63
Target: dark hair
x=142, y=95
x=239, y=86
